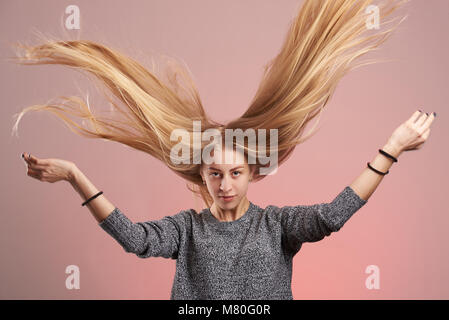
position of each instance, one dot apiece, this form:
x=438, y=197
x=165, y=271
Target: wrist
x=392, y=149
x=71, y=177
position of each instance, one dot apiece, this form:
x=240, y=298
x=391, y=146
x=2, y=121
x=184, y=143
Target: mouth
x=227, y=198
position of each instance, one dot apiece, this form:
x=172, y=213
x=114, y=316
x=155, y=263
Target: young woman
x=233, y=249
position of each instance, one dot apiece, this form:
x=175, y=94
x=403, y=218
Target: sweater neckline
x=212, y=219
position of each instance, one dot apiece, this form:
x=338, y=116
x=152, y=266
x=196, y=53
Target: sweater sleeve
x=314, y=222
x=157, y=238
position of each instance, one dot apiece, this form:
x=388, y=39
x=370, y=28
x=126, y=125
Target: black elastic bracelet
x=91, y=198
x=377, y=171
x=388, y=155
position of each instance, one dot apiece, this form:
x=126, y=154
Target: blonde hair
x=323, y=40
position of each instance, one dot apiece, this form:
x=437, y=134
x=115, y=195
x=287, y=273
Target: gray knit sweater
x=249, y=258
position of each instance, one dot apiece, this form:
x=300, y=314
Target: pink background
x=402, y=229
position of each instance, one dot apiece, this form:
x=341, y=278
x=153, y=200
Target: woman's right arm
x=100, y=207
x=156, y=238
x=53, y=170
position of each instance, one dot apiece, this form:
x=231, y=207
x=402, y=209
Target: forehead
x=228, y=159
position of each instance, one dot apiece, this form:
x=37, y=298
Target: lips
x=227, y=198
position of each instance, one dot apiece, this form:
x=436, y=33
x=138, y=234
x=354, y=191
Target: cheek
x=242, y=187
x=214, y=185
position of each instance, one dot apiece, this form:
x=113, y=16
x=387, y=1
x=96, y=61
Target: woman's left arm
x=408, y=136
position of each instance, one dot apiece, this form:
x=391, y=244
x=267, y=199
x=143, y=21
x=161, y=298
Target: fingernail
x=23, y=157
x=419, y=110
x=435, y=114
x=427, y=113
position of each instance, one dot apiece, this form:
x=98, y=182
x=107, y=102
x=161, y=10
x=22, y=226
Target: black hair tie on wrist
x=91, y=198
x=388, y=155
x=377, y=171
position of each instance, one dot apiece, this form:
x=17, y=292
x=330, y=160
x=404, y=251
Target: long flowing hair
x=322, y=44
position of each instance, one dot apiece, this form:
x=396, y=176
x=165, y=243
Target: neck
x=230, y=214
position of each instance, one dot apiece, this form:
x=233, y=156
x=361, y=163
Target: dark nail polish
x=23, y=156
x=435, y=114
x=427, y=113
x=419, y=110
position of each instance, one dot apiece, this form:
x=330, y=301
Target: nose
x=225, y=185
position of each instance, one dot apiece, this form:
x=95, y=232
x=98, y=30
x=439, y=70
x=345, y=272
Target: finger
x=33, y=173
x=27, y=157
x=33, y=159
x=36, y=166
x=429, y=121
x=30, y=159
x=421, y=119
x=426, y=134
x=414, y=116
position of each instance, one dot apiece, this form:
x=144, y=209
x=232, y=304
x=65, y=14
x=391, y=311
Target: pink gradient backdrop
x=402, y=229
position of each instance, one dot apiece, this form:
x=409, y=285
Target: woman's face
x=227, y=179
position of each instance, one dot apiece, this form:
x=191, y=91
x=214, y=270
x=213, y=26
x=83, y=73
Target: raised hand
x=49, y=170
x=414, y=132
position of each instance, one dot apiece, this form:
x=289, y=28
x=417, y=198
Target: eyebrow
x=212, y=168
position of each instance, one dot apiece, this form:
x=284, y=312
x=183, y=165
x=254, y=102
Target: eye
x=212, y=173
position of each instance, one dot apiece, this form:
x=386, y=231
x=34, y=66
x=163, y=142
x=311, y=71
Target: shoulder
x=269, y=213
x=186, y=217
x=276, y=214
x=182, y=216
